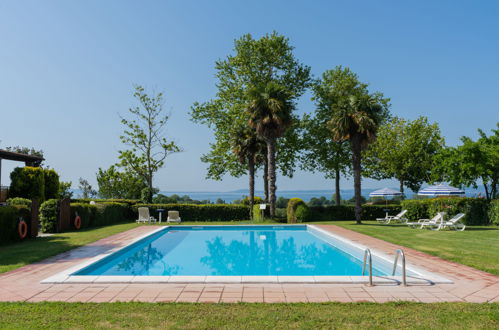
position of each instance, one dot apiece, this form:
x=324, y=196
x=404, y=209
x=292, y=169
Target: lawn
x=477, y=246
x=16, y=255
x=250, y=316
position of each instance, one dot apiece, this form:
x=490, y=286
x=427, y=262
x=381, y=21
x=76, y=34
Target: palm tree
x=248, y=147
x=357, y=121
x=270, y=112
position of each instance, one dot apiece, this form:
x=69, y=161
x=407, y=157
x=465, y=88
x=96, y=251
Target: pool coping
x=423, y=276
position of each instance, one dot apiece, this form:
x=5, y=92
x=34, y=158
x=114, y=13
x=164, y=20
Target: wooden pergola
x=29, y=160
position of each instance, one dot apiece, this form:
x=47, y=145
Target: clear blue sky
x=67, y=69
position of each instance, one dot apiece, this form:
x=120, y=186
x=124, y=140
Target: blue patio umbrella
x=440, y=190
x=385, y=192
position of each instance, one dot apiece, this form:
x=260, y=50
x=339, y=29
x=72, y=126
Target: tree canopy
x=404, y=150
x=471, y=162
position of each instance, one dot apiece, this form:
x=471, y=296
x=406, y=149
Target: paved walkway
x=23, y=284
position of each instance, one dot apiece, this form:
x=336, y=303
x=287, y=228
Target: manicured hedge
x=476, y=209
x=48, y=216
x=202, y=212
x=297, y=211
x=494, y=212
x=101, y=214
x=27, y=182
x=9, y=218
x=347, y=212
x=19, y=201
x=51, y=179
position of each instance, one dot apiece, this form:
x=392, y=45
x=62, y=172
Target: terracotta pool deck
x=23, y=284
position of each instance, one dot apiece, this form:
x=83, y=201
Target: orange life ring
x=77, y=222
x=22, y=229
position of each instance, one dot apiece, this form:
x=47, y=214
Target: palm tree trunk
x=402, y=186
x=337, y=186
x=266, y=179
x=271, y=175
x=251, y=173
x=356, y=154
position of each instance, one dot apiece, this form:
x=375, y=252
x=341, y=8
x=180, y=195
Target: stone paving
x=23, y=284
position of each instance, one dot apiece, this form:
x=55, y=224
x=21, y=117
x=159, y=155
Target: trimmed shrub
x=257, y=200
x=9, y=218
x=291, y=211
x=85, y=211
x=111, y=213
x=101, y=214
x=416, y=208
x=302, y=213
x=27, y=182
x=494, y=212
x=19, y=201
x=200, y=212
x=51, y=183
x=48, y=216
x=373, y=212
x=347, y=212
x=476, y=209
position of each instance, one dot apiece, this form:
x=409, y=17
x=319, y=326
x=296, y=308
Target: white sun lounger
x=436, y=221
x=399, y=217
x=144, y=215
x=455, y=223
x=173, y=216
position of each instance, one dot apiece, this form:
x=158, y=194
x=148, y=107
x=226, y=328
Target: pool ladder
x=368, y=259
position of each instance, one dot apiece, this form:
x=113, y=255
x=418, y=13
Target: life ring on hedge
x=77, y=222
x=22, y=229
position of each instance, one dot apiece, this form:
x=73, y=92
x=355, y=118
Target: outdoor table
x=160, y=211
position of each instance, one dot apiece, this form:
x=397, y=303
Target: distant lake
x=306, y=195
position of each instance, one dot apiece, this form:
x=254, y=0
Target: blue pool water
x=231, y=250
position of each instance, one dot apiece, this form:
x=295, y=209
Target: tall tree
x=404, y=150
x=114, y=183
x=144, y=133
x=471, y=162
x=357, y=120
x=322, y=153
x=86, y=189
x=270, y=111
x=254, y=62
x=248, y=147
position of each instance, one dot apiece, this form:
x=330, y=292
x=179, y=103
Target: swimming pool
x=241, y=253
x=232, y=251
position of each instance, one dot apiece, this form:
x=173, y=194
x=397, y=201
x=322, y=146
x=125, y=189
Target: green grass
x=250, y=316
x=16, y=255
x=477, y=246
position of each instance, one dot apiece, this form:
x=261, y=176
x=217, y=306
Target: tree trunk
x=251, y=173
x=487, y=195
x=337, y=186
x=271, y=175
x=402, y=186
x=266, y=179
x=356, y=164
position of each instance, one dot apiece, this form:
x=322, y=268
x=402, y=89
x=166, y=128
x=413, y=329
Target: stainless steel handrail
x=395, y=262
x=366, y=253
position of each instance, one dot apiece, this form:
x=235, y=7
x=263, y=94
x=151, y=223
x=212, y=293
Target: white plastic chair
x=436, y=221
x=144, y=215
x=455, y=223
x=173, y=216
x=399, y=217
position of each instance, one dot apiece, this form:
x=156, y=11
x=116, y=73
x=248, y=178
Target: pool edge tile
x=260, y=279
x=223, y=279
x=151, y=279
x=187, y=279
